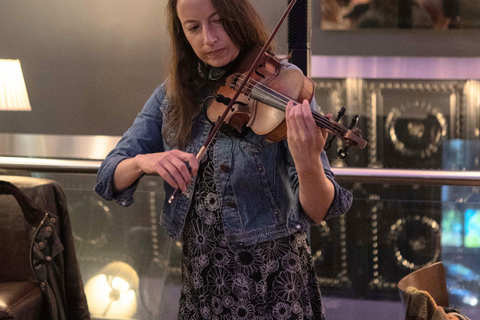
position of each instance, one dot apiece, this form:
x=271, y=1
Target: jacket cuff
x=104, y=186
x=342, y=201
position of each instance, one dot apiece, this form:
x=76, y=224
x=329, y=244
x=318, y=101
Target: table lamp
x=13, y=92
x=112, y=293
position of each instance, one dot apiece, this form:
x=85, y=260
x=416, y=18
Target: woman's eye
x=192, y=28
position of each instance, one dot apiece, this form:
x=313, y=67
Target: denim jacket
x=256, y=180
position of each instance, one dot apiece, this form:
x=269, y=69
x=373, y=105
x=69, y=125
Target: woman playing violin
x=246, y=205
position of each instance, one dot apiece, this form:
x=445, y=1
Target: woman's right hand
x=171, y=166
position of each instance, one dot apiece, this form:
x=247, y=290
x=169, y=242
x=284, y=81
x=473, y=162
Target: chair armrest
x=21, y=300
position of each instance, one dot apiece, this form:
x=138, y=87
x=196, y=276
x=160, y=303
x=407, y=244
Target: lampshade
x=13, y=92
x=112, y=292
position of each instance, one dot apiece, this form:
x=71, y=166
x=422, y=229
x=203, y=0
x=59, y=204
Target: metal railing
x=362, y=175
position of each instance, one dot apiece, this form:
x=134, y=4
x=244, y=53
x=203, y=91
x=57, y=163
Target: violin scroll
x=352, y=138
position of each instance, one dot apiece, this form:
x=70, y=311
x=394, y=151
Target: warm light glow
x=120, y=284
x=111, y=293
x=13, y=92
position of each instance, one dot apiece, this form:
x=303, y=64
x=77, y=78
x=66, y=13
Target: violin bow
x=220, y=120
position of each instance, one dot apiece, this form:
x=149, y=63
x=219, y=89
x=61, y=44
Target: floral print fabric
x=272, y=280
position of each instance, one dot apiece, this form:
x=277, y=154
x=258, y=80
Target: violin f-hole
x=222, y=99
x=260, y=74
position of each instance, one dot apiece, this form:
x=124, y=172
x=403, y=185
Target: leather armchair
x=431, y=279
x=425, y=295
x=39, y=274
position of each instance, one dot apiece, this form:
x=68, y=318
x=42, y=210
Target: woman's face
x=204, y=31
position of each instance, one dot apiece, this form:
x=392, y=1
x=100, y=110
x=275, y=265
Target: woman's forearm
x=316, y=192
x=126, y=173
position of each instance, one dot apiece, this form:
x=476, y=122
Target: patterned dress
x=271, y=280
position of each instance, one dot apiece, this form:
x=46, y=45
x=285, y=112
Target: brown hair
x=246, y=30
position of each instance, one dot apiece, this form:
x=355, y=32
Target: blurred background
x=409, y=69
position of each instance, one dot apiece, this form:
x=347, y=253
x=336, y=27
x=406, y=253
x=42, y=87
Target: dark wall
x=90, y=65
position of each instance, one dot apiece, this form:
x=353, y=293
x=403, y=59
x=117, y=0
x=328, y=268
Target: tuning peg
x=342, y=153
x=354, y=121
x=331, y=138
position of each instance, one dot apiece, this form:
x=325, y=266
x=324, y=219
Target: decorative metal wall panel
x=330, y=94
x=329, y=251
x=470, y=116
x=414, y=124
x=406, y=122
x=404, y=235
x=410, y=120
x=333, y=94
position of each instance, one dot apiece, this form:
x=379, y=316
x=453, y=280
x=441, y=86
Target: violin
x=263, y=99
x=270, y=89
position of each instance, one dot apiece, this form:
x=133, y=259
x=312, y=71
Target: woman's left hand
x=305, y=139
x=305, y=142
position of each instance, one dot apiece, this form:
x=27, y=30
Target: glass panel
x=390, y=231
x=393, y=230
x=106, y=232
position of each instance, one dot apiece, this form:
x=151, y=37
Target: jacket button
x=41, y=244
x=48, y=258
x=260, y=168
x=231, y=204
x=225, y=168
x=298, y=226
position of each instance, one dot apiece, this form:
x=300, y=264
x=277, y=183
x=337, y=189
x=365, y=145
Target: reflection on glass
x=461, y=239
x=453, y=223
x=452, y=228
x=472, y=228
x=406, y=14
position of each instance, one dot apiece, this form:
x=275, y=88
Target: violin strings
x=280, y=98
x=322, y=120
x=273, y=95
x=334, y=127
